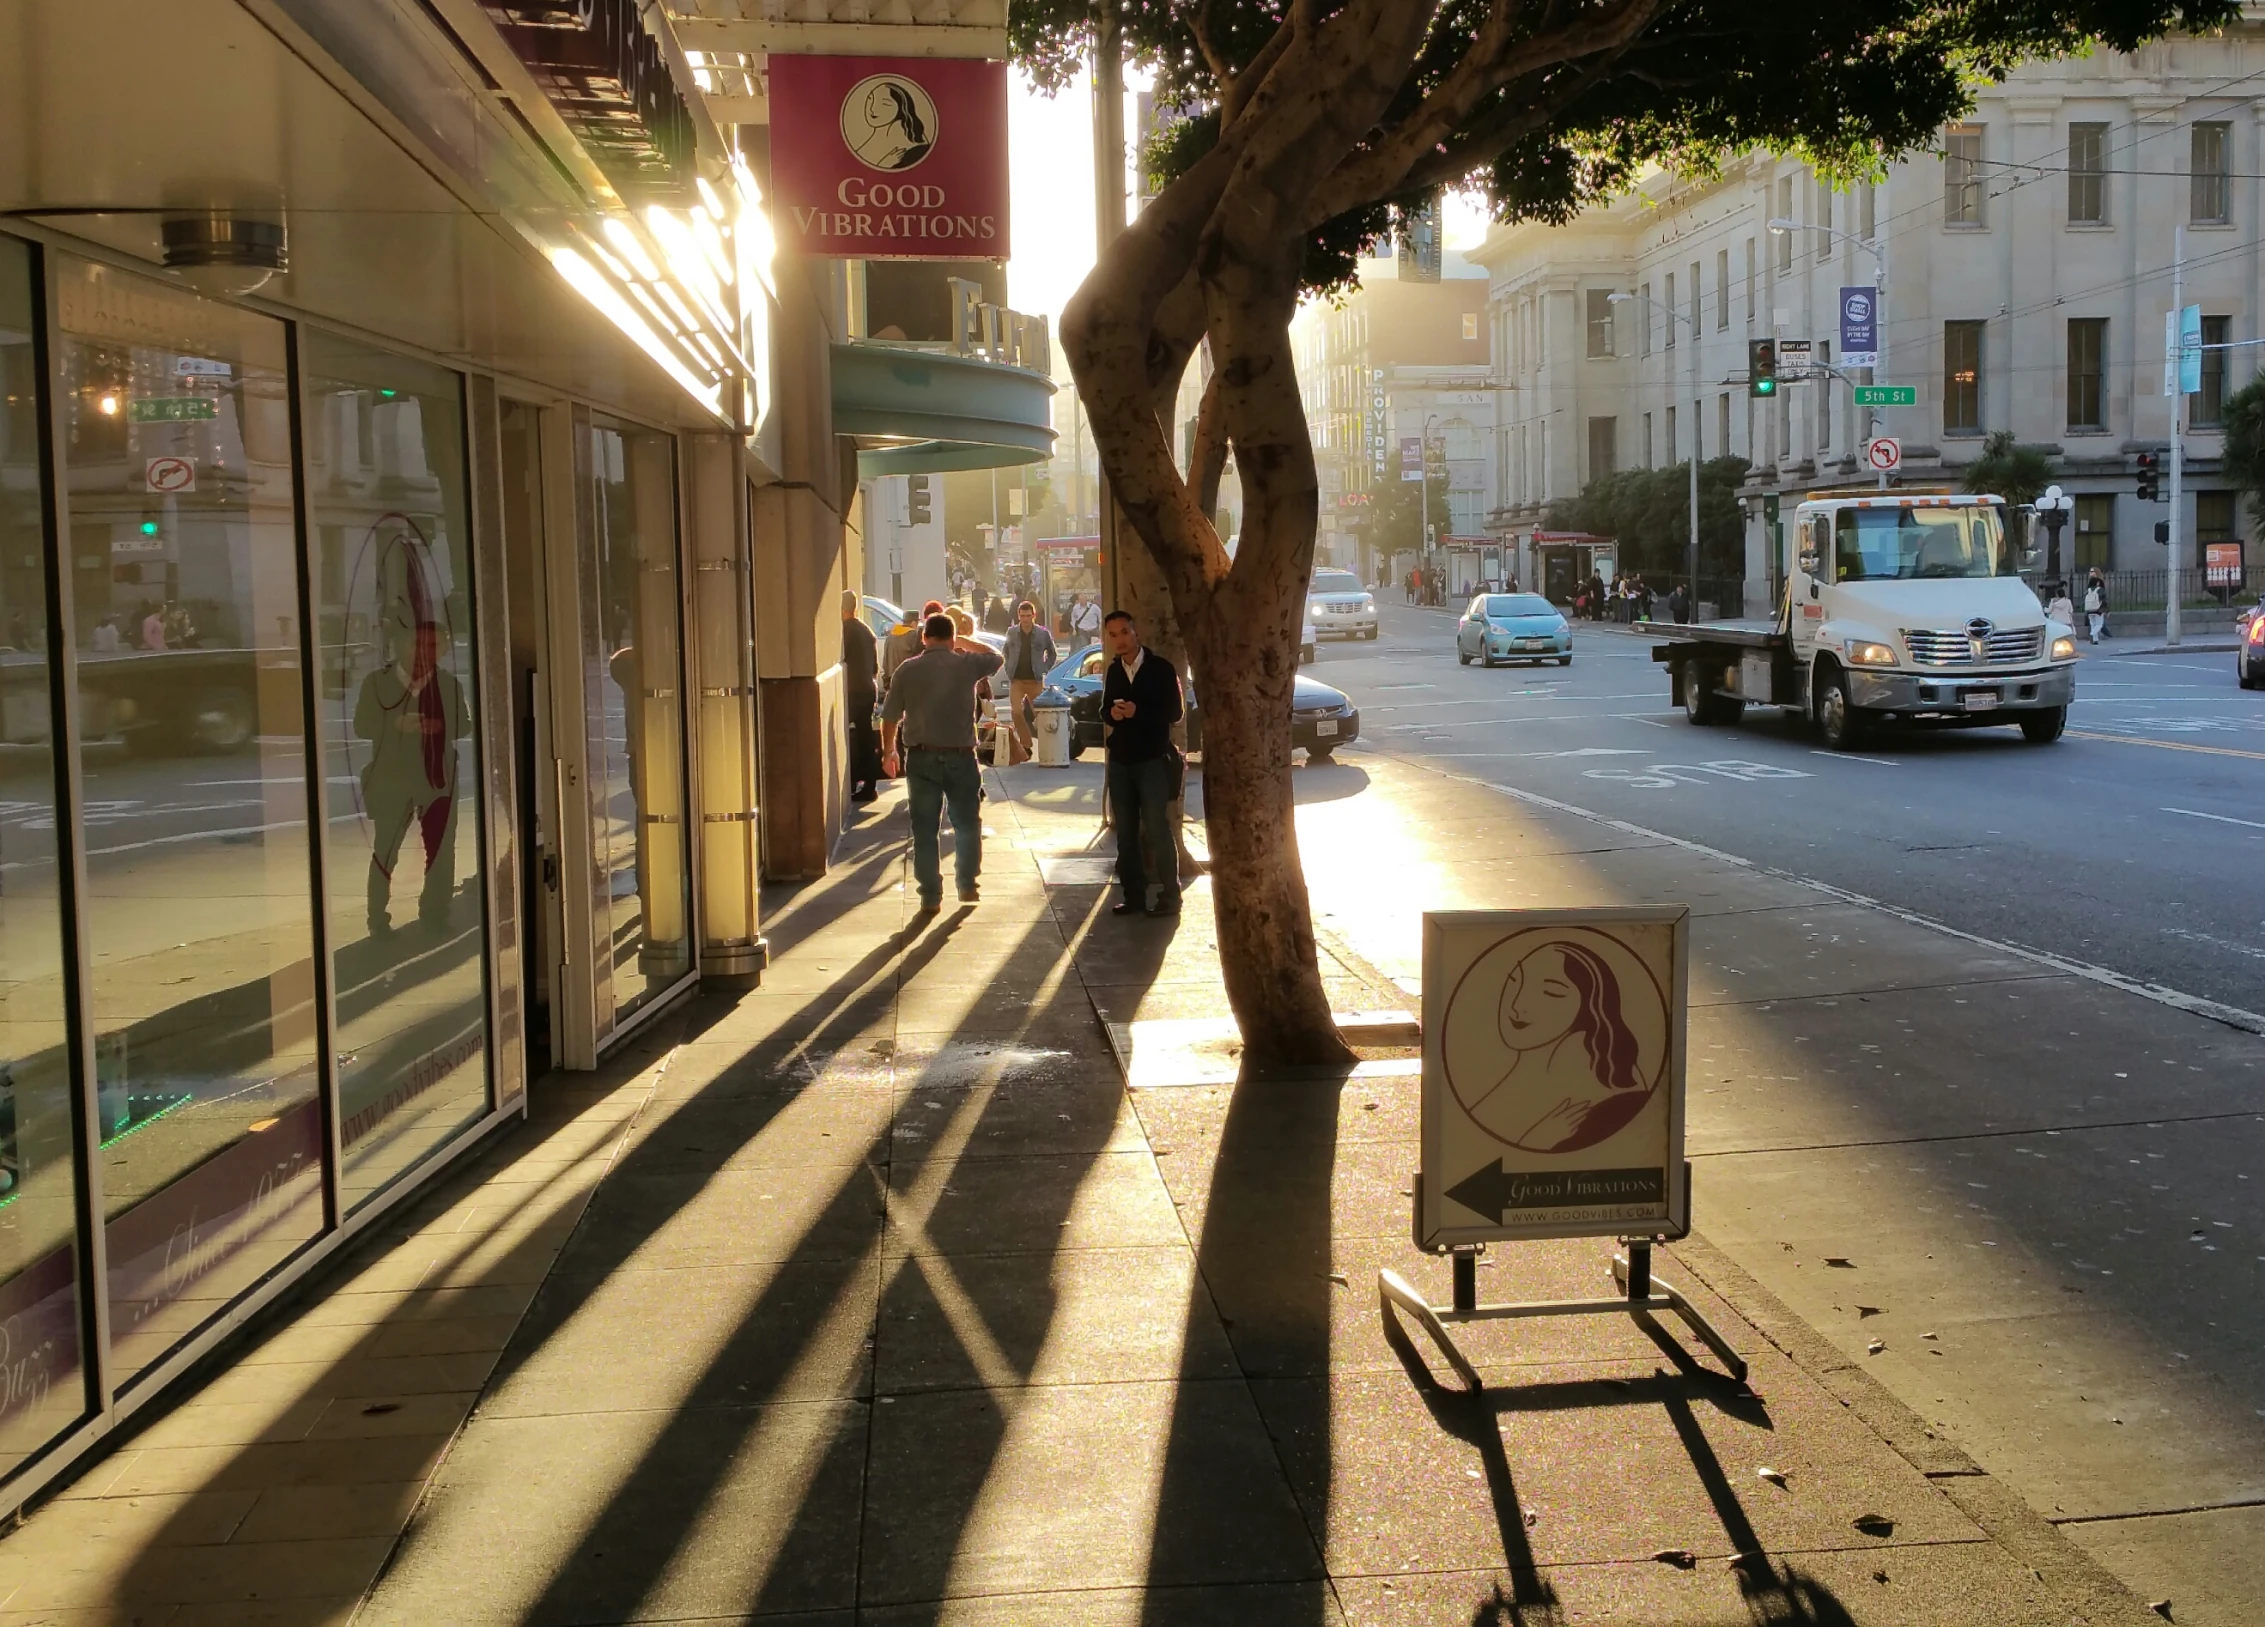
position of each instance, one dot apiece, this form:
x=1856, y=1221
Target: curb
x=2077, y=1581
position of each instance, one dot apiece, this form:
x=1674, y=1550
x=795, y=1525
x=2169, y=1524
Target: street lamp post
x=2053, y=509
x=1691, y=547
x=1872, y=246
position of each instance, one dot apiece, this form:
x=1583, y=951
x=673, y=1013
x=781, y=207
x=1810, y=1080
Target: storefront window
x=636, y=712
x=176, y=438
x=41, y=1385
x=387, y=518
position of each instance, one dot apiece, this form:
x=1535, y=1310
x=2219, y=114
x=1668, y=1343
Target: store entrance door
x=525, y=549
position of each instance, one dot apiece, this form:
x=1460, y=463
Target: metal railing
x=2129, y=591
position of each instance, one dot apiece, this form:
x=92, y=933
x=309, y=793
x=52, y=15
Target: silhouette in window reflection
x=411, y=711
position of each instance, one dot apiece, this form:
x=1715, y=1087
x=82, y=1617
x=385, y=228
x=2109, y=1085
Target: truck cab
x=1910, y=607
x=1899, y=608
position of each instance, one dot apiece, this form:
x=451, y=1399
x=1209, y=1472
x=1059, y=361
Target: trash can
x=1050, y=728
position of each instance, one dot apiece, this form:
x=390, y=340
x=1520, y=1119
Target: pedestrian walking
x=997, y=619
x=2096, y=605
x=861, y=672
x=904, y=642
x=977, y=597
x=1085, y=618
x=2059, y=608
x=1030, y=655
x=930, y=713
x=1679, y=603
x=1140, y=696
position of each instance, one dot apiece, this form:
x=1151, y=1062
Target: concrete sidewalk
x=876, y=1295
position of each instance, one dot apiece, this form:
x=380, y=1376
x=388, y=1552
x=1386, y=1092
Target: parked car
x=1321, y=718
x=882, y=616
x=2249, y=656
x=1513, y=627
x=1339, y=607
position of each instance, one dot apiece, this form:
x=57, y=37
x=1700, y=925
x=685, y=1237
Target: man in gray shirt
x=930, y=711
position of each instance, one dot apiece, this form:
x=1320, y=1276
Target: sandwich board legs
x=1641, y=1295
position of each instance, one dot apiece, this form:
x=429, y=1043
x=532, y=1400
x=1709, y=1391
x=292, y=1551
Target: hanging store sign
x=889, y=158
x=1552, y=1074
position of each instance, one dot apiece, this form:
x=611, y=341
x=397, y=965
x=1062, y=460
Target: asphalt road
x=2136, y=842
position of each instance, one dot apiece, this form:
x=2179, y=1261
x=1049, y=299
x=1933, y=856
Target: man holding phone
x=1140, y=696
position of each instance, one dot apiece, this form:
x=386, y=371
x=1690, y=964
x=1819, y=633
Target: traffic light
x=1761, y=367
x=917, y=511
x=2149, y=463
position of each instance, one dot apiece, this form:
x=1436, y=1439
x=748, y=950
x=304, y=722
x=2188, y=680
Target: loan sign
x=889, y=158
x=1553, y=1074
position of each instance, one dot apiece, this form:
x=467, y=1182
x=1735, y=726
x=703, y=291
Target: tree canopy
x=2244, y=460
x=1648, y=512
x=2006, y=469
x=1547, y=106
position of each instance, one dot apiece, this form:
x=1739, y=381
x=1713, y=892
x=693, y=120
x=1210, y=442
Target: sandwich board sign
x=1553, y=1075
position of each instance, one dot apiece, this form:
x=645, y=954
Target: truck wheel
x=1837, y=717
x=222, y=720
x=2043, y=728
x=1727, y=711
x=1698, y=700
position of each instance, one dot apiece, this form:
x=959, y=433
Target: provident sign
x=889, y=158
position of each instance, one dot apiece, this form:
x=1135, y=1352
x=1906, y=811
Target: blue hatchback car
x=1513, y=627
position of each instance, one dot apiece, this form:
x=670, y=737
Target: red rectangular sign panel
x=889, y=158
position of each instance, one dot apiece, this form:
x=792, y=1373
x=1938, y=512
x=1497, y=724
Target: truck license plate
x=1981, y=700
x=1324, y=730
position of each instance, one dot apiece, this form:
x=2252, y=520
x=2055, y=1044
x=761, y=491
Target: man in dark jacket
x=1140, y=696
x=861, y=670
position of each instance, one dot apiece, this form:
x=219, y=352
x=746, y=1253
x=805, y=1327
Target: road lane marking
x=2215, y=943
x=2166, y=745
x=2222, y=819
x=2248, y=1022
x=1633, y=717
x=1851, y=757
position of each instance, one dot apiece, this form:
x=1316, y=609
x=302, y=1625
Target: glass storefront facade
x=248, y=953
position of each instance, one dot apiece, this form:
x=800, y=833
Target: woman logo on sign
x=1583, y=1023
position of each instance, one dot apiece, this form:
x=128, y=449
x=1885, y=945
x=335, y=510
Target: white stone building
x=2027, y=269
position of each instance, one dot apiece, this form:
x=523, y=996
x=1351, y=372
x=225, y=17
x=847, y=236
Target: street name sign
x=1887, y=395
x=173, y=409
x=1553, y=1092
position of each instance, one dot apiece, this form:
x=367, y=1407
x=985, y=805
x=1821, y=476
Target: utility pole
x=2177, y=376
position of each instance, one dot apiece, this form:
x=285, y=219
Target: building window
x=2214, y=518
x=1962, y=175
x=2095, y=535
x=1785, y=213
x=1674, y=452
x=1695, y=329
x=1824, y=219
x=1604, y=447
x=1962, y=378
x=2210, y=195
x=1722, y=425
x=1470, y=324
x=1667, y=316
x=1600, y=322
x=2087, y=174
x=1871, y=216
x=2210, y=400
x=2087, y=372
x=1722, y=288
x=1647, y=440
x=1750, y=280
x=1644, y=322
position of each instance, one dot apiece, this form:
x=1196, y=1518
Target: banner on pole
x=1860, y=327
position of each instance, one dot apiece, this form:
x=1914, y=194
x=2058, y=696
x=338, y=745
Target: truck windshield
x=1904, y=544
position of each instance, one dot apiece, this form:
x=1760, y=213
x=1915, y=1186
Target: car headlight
x=1313, y=609
x=1368, y=601
x=2064, y=649
x=1870, y=655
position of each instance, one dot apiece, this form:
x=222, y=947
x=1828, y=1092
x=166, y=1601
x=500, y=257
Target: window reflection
x=636, y=722
x=387, y=512
x=41, y=1387
x=177, y=445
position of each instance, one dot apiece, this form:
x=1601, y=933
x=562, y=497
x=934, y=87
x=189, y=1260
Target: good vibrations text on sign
x=889, y=158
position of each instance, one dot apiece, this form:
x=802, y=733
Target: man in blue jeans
x=930, y=712
x=1140, y=696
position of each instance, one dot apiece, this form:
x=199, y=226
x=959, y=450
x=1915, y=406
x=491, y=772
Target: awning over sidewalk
x=935, y=411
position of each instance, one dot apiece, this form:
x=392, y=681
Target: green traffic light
x=1765, y=386
x=149, y=528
